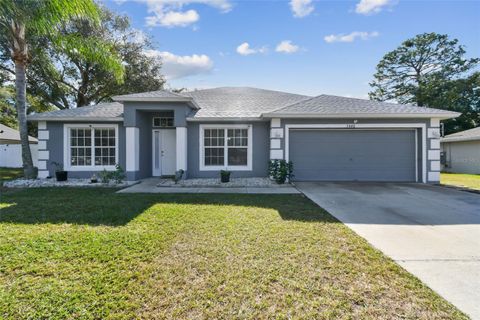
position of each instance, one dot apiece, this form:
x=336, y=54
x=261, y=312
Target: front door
x=163, y=152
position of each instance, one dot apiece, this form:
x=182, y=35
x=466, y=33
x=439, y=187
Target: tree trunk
x=20, y=59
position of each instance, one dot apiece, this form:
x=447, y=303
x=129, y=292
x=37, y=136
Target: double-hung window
x=91, y=147
x=226, y=147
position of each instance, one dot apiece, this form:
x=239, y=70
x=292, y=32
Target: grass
x=471, y=181
x=7, y=174
x=91, y=254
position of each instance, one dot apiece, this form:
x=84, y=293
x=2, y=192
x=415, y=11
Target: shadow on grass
x=105, y=207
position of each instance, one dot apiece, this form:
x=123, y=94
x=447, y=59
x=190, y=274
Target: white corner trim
x=275, y=123
x=42, y=145
x=365, y=126
x=435, y=165
x=435, y=122
x=182, y=148
x=42, y=165
x=66, y=146
x=433, y=154
x=203, y=167
x=42, y=174
x=43, y=155
x=132, y=142
x=276, y=133
x=276, y=154
x=433, y=133
x=275, y=143
x=434, y=143
x=434, y=176
x=43, y=135
x=42, y=125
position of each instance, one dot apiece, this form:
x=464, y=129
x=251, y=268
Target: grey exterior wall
x=432, y=139
x=462, y=157
x=55, y=152
x=260, y=151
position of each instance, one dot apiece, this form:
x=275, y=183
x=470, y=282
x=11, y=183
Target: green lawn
x=10, y=173
x=471, y=181
x=91, y=253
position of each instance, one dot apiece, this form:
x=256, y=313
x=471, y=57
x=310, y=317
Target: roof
x=467, y=135
x=335, y=106
x=112, y=111
x=240, y=102
x=7, y=133
x=232, y=103
x=156, y=96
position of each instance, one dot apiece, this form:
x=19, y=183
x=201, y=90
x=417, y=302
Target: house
x=240, y=129
x=11, y=148
x=461, y=152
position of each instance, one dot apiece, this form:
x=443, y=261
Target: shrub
x=280, y=170
x=118, y=175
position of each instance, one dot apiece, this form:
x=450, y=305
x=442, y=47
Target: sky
x=299, y=46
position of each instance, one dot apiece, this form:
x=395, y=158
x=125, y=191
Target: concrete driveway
x=433, y=232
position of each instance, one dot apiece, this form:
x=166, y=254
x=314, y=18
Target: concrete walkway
x=433, y=232
x=150, y=186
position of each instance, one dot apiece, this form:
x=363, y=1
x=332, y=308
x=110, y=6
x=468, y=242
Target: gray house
x=326, y=137
x=461, y=151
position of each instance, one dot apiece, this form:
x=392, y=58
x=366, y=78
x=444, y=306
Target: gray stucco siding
x=133, y=110
x=260, y=150
x=55, y=147
x=432, y=151
x=462, y=156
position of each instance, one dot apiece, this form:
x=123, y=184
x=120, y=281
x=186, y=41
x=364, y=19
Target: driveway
x=431, y=231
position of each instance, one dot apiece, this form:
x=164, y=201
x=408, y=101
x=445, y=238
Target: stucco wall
x=432, y=132
x=462, y=157
x=260, y=151
x=51, y=136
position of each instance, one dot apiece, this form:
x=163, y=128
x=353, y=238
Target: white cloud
x=286, y=46
x=351, y=36
x=244, y=49
x=371, y=6
x=176, y=67
x=301, y=8
x=138, y=36
x=173, y=19
x=169, y=13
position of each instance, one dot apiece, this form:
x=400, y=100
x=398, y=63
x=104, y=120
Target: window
x=225, y=147
x=164, y=119
x=90, y=147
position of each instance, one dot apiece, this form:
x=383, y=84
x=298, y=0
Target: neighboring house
x=11, y=148
x=241, y=129
x=461, y=152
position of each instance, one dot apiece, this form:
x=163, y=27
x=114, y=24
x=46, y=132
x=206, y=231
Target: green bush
x=280, y=170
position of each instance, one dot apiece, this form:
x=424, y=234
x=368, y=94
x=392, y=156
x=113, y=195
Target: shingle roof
x=7, y=133
x=103, y=111
x=240, y=102
x=335, y=105
x=467, y=135
x=150, y=94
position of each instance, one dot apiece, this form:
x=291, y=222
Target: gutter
x=89, y=119
x=189, y=100
x=441, y=116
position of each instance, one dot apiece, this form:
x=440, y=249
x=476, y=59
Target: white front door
x=163, y=152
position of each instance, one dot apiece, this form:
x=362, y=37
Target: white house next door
x=163, y=152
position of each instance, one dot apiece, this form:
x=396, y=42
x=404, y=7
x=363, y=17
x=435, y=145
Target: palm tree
x=24, y=19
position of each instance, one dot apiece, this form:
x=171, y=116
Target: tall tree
x=22, y=21
x=406, y=73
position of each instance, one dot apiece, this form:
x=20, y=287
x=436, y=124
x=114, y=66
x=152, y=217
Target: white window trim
x=374, y=126
x=67, y=150
x=203, y=167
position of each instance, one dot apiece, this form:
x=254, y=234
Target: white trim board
x=373, y=126
x=201, y=153
x=66, y=148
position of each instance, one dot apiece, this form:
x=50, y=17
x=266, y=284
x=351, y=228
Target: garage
x=353, y=155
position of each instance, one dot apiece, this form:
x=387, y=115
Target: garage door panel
x=347, y=155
